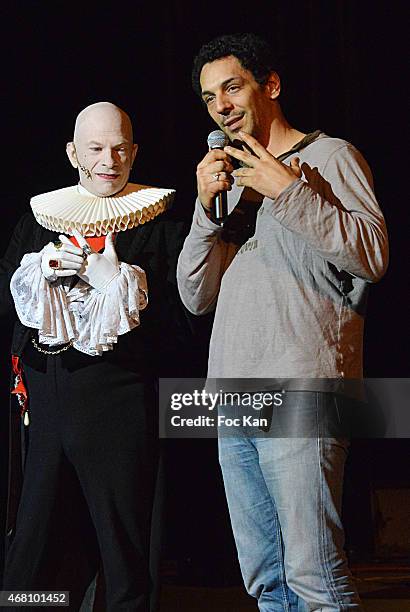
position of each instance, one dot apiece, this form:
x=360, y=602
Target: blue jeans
x=284, y=498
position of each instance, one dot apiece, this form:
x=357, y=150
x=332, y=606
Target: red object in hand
x=96, y=242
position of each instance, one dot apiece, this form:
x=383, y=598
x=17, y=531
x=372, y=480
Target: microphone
x=218, y=140
x=82, y=168
x=85, y=170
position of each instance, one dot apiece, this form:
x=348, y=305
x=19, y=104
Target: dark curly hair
x=253, y=53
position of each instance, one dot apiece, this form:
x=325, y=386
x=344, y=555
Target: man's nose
x=109, y=158
x=223, y=105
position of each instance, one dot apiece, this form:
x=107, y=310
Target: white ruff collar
x=74, y=207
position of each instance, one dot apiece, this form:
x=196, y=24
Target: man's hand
x=265, y=173
x=99, y=269
x=61, y=258
x=213, y=176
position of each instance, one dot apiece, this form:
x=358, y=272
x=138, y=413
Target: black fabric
x=96, y=425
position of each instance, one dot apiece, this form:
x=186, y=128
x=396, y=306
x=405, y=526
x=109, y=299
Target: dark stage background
x=343, y=72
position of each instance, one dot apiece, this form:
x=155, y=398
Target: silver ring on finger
x=87, y=250
x=216, y=176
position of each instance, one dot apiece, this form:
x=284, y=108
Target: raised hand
x=99, y=269
x=264, y=173
x=61, y=258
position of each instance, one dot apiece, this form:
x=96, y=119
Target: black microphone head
x=217, y=139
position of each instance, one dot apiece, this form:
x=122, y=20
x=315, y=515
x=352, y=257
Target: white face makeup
x=103, y=150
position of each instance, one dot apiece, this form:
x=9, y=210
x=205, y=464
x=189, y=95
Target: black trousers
x=92, y=437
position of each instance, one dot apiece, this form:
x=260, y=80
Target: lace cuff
x=90, y=319
x=99, y=318
x=40, y=304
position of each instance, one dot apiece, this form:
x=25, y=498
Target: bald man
x=99, y=123
x=89, y=351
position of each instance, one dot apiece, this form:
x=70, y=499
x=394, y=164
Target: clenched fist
x=213, y=176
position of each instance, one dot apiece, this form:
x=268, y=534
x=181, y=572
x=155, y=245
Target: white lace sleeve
x=99, y=318
x=40, y=304
x=90, y=319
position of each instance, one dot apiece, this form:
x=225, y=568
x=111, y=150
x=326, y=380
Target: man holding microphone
x=287, y=271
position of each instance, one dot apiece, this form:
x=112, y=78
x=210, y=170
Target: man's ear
x=273, y=86
x=134, y=153
x=72, y=154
